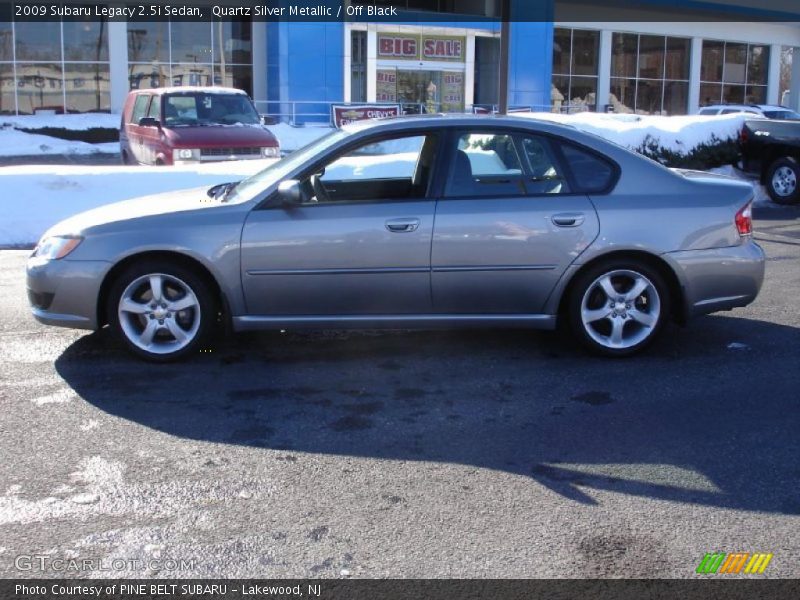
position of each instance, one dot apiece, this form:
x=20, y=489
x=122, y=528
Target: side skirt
x=256, y=322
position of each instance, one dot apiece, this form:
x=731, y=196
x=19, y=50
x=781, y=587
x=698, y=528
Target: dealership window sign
x=421, y=47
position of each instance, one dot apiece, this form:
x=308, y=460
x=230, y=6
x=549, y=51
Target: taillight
x=743, y=135
x=744, y=219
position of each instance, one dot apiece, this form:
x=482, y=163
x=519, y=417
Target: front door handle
x=568, y=219
x=402, y=225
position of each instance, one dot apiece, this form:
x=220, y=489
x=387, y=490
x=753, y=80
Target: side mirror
x=149, y=122
x=289, y=193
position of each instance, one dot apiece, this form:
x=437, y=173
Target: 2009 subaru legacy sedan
x=415, y=222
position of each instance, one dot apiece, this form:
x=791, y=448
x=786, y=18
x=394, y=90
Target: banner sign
x=342, y=115
x=386, y=85
x=452, y=91
x=441, y=47
x=394, y=46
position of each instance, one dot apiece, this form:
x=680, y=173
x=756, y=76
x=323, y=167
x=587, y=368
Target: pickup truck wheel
x=783, y=181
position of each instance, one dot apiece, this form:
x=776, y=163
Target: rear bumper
x=719, y=278
x=65, y=293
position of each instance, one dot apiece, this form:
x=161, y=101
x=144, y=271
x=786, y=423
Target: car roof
x=191, y=89
x=454, y=119
x=744, y=106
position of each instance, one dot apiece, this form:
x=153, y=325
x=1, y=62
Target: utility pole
x=505, y=32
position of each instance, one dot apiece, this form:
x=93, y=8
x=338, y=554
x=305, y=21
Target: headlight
x=271, y=152
x=185, y=154
x=56, y=247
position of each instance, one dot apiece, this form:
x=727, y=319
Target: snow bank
x=293, y=138
x=37, y=197
x=77, y=122
x=19, y=143
x=679, y=134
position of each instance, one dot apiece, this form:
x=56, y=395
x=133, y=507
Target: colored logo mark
x=733, y=563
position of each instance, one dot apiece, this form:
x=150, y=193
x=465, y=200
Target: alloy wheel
x=159, y=313
x=620, y=309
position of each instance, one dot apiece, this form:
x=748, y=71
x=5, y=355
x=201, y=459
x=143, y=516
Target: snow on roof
x=193, y=89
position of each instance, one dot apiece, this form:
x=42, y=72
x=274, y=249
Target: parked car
x=771, y=149
x=762, y=110
x=166, y=126
x=413, y=222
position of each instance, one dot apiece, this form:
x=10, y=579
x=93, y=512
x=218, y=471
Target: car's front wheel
x=783, y=177
x=618, y=308
x=161, y=311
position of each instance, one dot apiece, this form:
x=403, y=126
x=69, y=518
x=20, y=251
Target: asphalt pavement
x=405, y=454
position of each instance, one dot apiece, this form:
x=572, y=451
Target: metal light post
x=505, y=32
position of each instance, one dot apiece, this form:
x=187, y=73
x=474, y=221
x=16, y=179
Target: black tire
x=778, y=195
x=174, y=275
x=642, y=304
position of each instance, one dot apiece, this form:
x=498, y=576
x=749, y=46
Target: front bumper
x=65, y=292
x=719, y=278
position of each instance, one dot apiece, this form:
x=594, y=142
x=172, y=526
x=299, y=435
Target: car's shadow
x=709, y=416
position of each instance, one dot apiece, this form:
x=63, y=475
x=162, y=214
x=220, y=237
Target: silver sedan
x=416, y=222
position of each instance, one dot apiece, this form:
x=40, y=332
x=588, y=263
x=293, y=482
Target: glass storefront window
x=203, y=54
x=624, y=51
x=574, y=83
x=8, y=103
x=190, y=42
x=148, y=42
x=676, y=62
x=235, y=76
x=651, y=57
x=85, y=41
x=87, y=87
x=649, y=74
x=34, y=41
x=733, y=73
x=233, y=42
x=143, y=76
x=39, y=86
x=6, y=42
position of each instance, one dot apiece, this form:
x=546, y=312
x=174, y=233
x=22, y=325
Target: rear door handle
x=402, y=225
x=568, y=219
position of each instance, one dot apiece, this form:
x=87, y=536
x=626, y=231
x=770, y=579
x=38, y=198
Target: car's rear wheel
x=618, y=308
x=161, y=311
x=783, y=181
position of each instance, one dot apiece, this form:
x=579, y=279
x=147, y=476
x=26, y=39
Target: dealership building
x=443, y=55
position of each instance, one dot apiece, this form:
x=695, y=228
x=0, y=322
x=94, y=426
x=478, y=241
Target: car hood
x=216, y=136
x=146, y=206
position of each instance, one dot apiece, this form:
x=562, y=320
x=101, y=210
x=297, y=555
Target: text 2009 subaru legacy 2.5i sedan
x=416, y=222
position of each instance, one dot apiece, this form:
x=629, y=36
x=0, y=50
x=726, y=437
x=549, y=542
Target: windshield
x=193, y=109
x=782, y=114
x=249, y=188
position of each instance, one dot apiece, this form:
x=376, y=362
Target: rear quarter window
x=592, y=174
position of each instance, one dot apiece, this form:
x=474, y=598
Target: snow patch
x=37, y=197
x=19, y=143
x=679, y=134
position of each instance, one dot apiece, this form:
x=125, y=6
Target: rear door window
x=485, y=164
x=545, y=174
x=140, y=108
